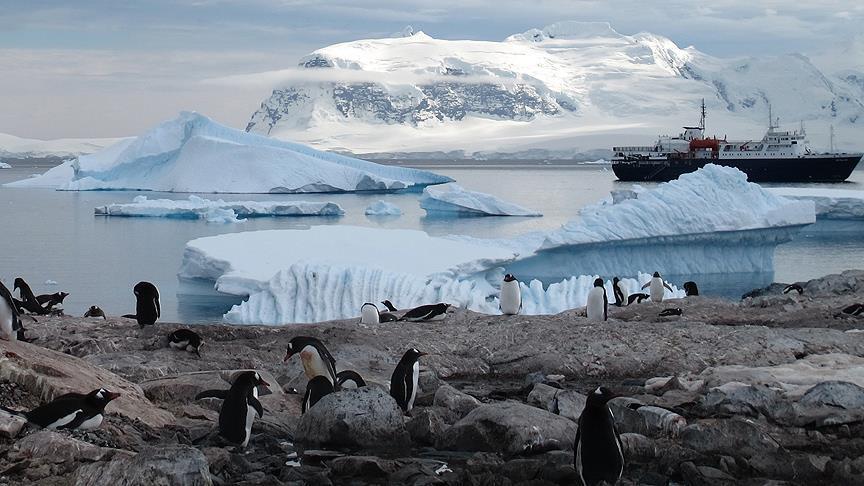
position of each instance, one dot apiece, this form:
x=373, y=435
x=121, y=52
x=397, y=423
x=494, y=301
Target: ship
x=780, y=156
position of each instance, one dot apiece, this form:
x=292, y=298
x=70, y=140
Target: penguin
x=317, y=360
x=28, y=300
x=638, y=298
x=671, y=312
x=691, y=289
x=147, y=309
x=316, y=389
x=95, y=311
x=10, y=323
x=50, y=300
x=620, y=292
x=598, y=303
x=511, y=296
x=656, y=290
x=796, y=287
x=387, y=317
x=186, y=340
x=854, y=310
x=240, y=407
x=389, y=305
x=406, y=379
x=598, y=456
x=429, y=312
x=349, y=375
x=74, y=411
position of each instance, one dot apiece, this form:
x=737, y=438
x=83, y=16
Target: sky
x=114, y=68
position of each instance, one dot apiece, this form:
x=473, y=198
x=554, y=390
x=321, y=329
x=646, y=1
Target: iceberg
x=192, y=153
x=199, y=208
x=454, y=199
x=830, y=203
x=383, y=208
x=4, y=165
x=51, y=179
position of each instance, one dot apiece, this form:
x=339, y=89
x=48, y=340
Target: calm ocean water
x=52, y=235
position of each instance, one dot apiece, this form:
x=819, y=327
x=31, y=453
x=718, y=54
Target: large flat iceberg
x=830, y=203
x=454, y=199
x=199, y=208
x=192, y=153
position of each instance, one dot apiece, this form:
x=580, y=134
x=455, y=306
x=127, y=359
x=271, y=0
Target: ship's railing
x=644, y=148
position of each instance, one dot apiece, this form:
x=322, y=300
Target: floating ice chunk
x=50, y=282
x=383, y=208
x=454, y=199
x=217, y=211
x=830, y=203
x=4, y=165
x=52, y=178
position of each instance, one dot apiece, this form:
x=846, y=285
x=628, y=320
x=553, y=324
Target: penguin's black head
x=599, y=397
x=657, y=274
x=99, y=398
x=63, y=295
x=249, y=379
x=296, y=344
x=413, y=355
x=94, y=308
x=509, y=277
x=145, y=289
x=389, y=305
x=19, y=282
x=598, y=282
x=615, y=280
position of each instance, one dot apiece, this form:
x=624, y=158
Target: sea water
x=48, y=235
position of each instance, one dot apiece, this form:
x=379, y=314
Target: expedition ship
x=781, y=156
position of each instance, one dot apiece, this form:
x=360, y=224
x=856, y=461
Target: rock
x=738, y=398
x=706, y=475
x=570, y=404
x=163, y=465
x=638, y=448
x=735, y=437
x=543, y=396
x=834, y=394
x=362, y=466
x=454, y=400
x=10, y=425
x=509, y=427
x=828, y=403
x=661, y=422
x=54, y=447
x=365, y=417
x=627, y=419
x=48, y=374
x=429, y=383
x=427, y=424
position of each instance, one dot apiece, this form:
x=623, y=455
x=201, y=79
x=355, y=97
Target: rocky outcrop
x=170, y=465
x=458, y=402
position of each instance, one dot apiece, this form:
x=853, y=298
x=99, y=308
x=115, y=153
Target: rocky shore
x=766, y=390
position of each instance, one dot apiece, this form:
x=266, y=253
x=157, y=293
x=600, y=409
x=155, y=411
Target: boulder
x=365, y=417
x=638, y=448
x=57, y=448
x=706, y=475
x=738, y=398
x=454, y=400
x=735, y=437
x=828, y=403
x=10, y=425
x=570, y=404
x=427, y=424
x=168, y=465
x=47, y=374
x=543, y=396
x=362, y=466
x=661, y=422
x=509, y=427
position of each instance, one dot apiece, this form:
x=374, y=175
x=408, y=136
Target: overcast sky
x=114, y=67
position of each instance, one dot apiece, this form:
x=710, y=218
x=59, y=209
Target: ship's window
x=794, y=142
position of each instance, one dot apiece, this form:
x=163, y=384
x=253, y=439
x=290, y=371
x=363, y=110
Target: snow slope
x=21, y=148
x=830, y=203
x=199, y=208
x=562, y=91
x=454, y=199
x=192, y=153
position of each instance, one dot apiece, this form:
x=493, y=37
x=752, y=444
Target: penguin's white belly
x=511, y=298
x=369, y=315
x=439, y=317
x=250, y=419
x=64, y=420
x=595, y=304
x=656, y=290
x=93, y=422
x=313, y=365
x=7, y=320
x=179, y=345
x=624, y=294
x=416, y=381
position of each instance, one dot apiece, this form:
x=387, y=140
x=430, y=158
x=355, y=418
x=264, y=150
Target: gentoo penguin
x=598, y=455
x=369, y=314
x=620, y=291
x=10, y=324
x=429, y=312
x=316, y=389
x=676, y=311
x=854, y=310
x=95, y=311
x=691, y=289
x=50, y=300
x=389, y=305
x=657, y=284
x=511, y=296
x=345, y=376
x=317, y=360
x=240, y=407
x=796, y=287
x=406, y=379
x=186, y=340
x=71, y=411
x=28, y=300
x=598, y=303
x=637, y=297
x=147, y=309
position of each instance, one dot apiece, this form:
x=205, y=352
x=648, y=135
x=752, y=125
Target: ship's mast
x=831, y=149
x=702, y=119
x=771, y=124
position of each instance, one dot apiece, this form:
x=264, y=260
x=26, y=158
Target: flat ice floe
x=830, y=203
x=231, y=211
x=192, y=153
x=454, y=199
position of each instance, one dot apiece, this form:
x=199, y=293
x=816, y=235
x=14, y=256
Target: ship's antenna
x=771, y=125
x=831, y=149
x=702, y=120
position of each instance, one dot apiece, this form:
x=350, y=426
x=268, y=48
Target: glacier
x=13, y=147
x=454, y=199
x=383, y=208
x=196, y=207
x=192, y=153
x=830, y=203
x=710, y=221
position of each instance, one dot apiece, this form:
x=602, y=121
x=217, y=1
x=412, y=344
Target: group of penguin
x=11, y=309
x=854, y=310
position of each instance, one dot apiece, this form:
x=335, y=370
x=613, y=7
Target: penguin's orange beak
x=423, y=354
x=261, y=382
x=112, y=396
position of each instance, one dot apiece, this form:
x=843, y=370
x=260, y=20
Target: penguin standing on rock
x=74, y=411
x=187, y=340
x=240, y=408
x=10, y=323
x=429, y=312
x=147, y=309
x=50, y=300
x=598, y=303
x=620, y=291
x=406, y=379
x=511, y=296
x=598, y=455
x=28, y=300
x=316, y=359
x=657, y=284
x=316, y=389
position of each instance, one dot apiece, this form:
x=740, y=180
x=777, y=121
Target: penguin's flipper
x=646, y=285
x=668, y=287
x=257, y=406
x=130, y=316
x=605, y=307
x=79, y=419
x=220, y=394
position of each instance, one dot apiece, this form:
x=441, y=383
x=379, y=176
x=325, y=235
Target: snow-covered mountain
x=12, y=147
x=569, y=88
